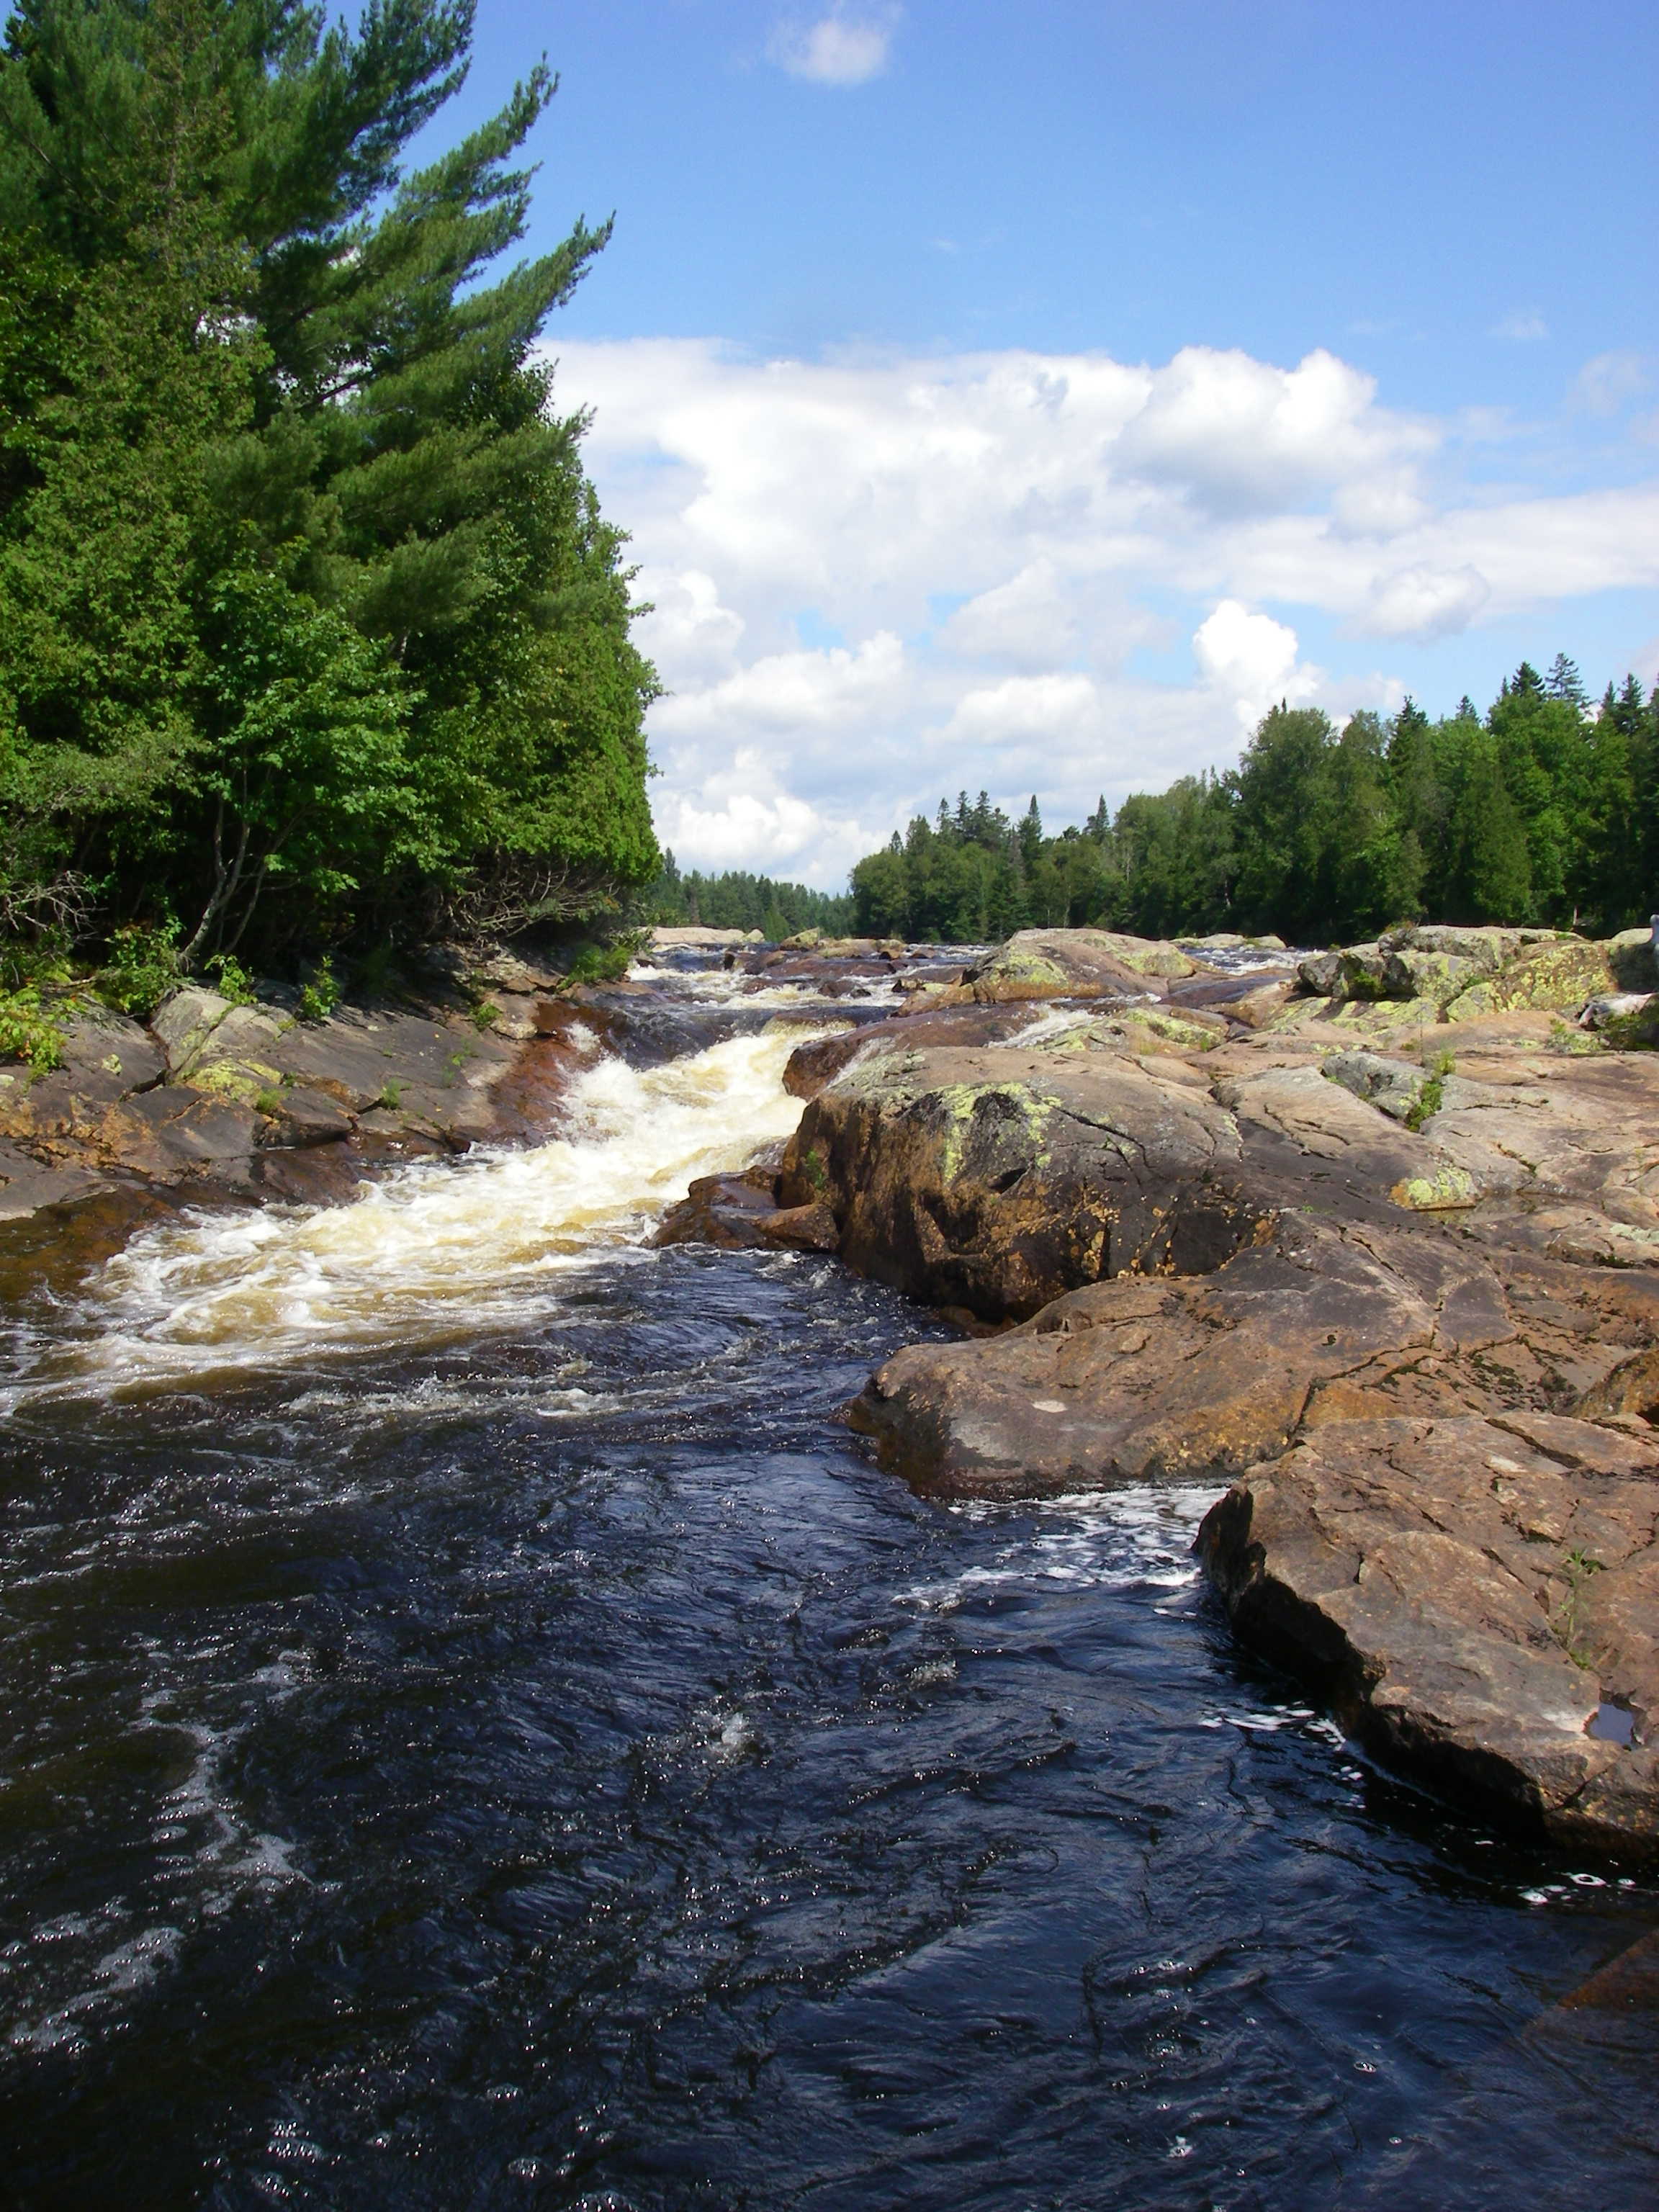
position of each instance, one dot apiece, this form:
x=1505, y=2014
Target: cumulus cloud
x=844, y=48
x=1524, y=324
x=1251, y=661
x=995, y=536
x=1238, y=433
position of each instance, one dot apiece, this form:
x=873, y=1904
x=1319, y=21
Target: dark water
x=429, y=1786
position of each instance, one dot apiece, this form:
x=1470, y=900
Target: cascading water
x=440, y=1249
x=481, y=1736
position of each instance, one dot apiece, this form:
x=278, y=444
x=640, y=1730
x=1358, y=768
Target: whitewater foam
x=440, y=1250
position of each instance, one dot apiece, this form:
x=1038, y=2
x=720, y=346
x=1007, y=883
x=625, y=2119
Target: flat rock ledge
x=1407, y=1309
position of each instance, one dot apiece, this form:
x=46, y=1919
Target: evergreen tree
x=305, y=610
x=1494, y=875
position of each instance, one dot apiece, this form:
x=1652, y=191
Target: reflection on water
x=480, y=1735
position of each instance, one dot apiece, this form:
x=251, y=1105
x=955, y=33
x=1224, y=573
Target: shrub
x=321, y=994
x=28, y=1031
x=600, y=963
x=142, y=969
x=232, y=979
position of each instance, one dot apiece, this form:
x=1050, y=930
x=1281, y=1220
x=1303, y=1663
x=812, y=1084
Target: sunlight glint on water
x=439, y=1249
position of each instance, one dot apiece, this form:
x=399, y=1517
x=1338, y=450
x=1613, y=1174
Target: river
x=481, y=1734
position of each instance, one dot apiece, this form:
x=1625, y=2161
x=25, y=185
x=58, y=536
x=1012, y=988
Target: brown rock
x=800, y=1228
x=731, y=1211
x=1059, y=964
x=1471, y=1595
x=298, y=1115
x=997, y=1178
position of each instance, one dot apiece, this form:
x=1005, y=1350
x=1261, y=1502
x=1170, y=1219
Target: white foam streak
x=441, y=1249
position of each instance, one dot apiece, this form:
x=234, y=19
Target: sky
x=1027, y=398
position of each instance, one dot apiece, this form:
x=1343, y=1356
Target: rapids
x=480, y=1735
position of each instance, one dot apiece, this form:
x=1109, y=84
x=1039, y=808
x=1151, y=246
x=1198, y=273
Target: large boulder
x=1559, y=976
x=1060, y=964
x=995, y=1178
x=1370, y=1285
x=1477, y=1597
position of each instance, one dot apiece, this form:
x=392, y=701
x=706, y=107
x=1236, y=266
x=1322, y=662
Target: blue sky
x=1023, y=397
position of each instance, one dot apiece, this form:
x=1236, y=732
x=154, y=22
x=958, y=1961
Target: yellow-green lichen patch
x=958, y=1102
x=1556, y=976
x=1024, y=976
x=1446, y=1188
x=240, y=1082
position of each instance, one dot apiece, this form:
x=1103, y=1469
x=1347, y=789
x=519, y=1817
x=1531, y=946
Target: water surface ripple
x=543, y=1764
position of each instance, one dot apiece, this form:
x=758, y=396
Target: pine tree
x=278, y=469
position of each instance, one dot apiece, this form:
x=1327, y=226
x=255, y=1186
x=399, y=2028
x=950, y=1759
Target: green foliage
x=1541, y=812
x=231, y=979
x=320, y=997
x=268, y=1103
x=739, y=901
x=28, y=1031
x=1578, y=1567
x=600, y=963
x=1432, y=1096
x=485, y=1015
x=142, y=969
x=392, y=1095
x=308, y=618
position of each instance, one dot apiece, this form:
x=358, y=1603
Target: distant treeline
x=736, y=901
x=1543, y=811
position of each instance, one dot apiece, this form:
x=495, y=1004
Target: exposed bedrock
x=995, y=1178
x=1371, y=1290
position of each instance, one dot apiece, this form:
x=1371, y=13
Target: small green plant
x=1431, y=1098
x=142, y=969
x=43, y=960
x=485, y=1015
x=1578, y=1567
x=28, y=1032
x=268, y=1103
x=814, y=1169
x=600, y=963
x=392, y=1095
x=234, y=982
x=320, y=996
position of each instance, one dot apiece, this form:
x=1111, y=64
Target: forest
x=1544, y=810
x=734, y=899
x=312, y=633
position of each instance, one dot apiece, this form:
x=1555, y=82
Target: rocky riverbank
x=1372, y=1234
x=218, y=1101
x=1375, y=1235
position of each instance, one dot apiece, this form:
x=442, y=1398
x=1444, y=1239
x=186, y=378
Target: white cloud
x=1240, y=434
x=1426, y=602
x=1609, y=381
x=1251, y=660
x=844, y=48
x=688, y=629
x=1524, y=324
x=993, y=535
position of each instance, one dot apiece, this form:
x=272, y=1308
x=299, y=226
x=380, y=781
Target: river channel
x=480, y=1734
